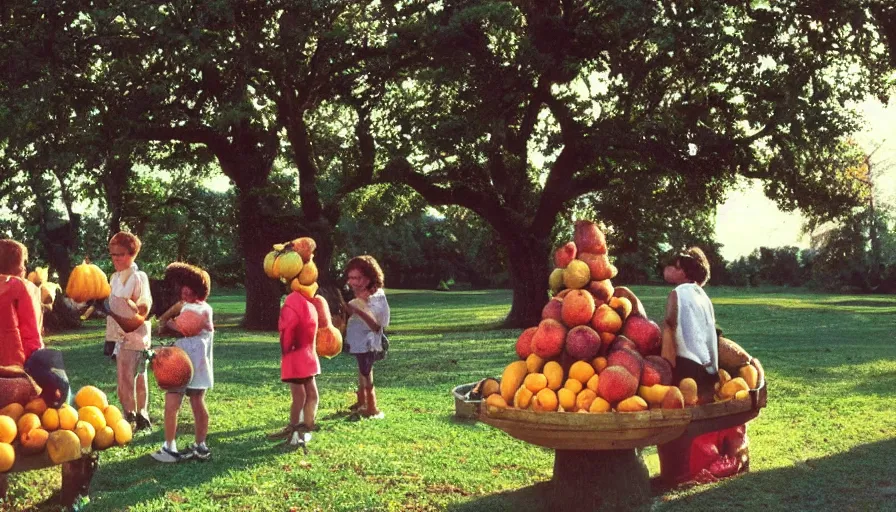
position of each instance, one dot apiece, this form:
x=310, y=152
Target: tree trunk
x=258, y=231
x=528, y=257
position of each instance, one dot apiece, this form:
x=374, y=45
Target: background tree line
x=341, y=119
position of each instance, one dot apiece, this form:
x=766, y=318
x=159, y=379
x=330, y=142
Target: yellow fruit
x=91, y=395
x=534, y=363
x=104, y=438
x=554, y=373
x=573, y=385
x=289, y=265
x=112, y=414
x=522, y=398
x=654, y=394
x=750, y=375
x=535, y=382
x=599, y=405
x=723, y=377
x=122, y=430
x=8, y=429
x=308, y=291
x=599, y=363
x=28, y=421
x=68, y=417
x=584, y=399
x=93, y=415
x=85, y=433
x=37, y=406
x=567, y=398
x=63, y=446
x=13, y=410
x=489, y=388
x=593, y=382
x=730, y=388
x=689, y=391
x=308, y=275
x=495, y=401
x=632, y=404
x=269, y=260
x=581, y=371
x=545, y=400
x=742, y=394
x=512, y=379
x=50, y=420
x=7, y=457
x=576, y=275
x=555, y=281
x=34, y=440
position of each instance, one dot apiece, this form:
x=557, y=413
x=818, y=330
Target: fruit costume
x=19, y=321
x=298, y=328
x=200, y=347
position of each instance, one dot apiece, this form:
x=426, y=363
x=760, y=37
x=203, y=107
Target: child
x=689, y=340
x=195, y=287
x=128, y=283
x=299, y=366
x=20, y=329
x=370, y=314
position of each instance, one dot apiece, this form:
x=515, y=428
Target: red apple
x=564, y=254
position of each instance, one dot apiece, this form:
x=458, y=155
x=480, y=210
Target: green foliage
x=823, y=442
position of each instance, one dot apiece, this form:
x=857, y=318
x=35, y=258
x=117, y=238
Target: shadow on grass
x=847, y=481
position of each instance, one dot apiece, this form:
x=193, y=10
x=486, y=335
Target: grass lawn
x=827, y=440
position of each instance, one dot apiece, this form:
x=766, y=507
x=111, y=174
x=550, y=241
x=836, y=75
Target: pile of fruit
x=65, y=433
x=293, y=263
x=595, y=350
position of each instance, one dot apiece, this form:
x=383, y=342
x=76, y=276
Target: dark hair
x=368, y=266
x=694, y=264
x=127, y=241
x=196, y=279
x=12, y=253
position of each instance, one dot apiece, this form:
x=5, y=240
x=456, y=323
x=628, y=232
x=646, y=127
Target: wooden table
x=597, y=460
x=76, y=475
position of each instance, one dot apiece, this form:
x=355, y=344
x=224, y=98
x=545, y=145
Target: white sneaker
x=166, y=455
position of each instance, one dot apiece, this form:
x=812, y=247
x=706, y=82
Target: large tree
x=519, y=107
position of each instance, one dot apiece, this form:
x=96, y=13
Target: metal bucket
x=464, y=408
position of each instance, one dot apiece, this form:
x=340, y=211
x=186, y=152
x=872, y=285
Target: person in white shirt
x=690, y=342
x=130, y=284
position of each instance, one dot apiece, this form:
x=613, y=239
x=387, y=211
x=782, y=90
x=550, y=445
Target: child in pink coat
x=299, y=366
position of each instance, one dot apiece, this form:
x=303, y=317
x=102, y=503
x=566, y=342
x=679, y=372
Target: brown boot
x=362, y=401
x=371, y=411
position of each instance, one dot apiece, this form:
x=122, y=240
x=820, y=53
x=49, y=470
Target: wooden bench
x=76, y=475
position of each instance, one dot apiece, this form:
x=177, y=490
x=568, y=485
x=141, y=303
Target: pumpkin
x=172, y=368
x=269, y=260
x=189, y=323
x=87, y=281
x=329, y=342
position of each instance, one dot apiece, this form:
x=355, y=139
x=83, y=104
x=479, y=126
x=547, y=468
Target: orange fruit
x=8, y=429
x=554, y=373
x=534, y=364
x=13, y=410
x=523, y=398
x=573, y=385
x=50, y=420
x=122, y=431
x=581, y=371
x=535, y=382
x=599, y=405
x=105, y=437
x=91, y=395
x=37, y=406
x=34, y=440
x=567, y=398
x=584, y=399
x=93, y=415
x=545, y=400
x=112, y=415
x=599, y=363
x=7, y=457
x=85, y=433
x=28, y=421
x=68, y=417
x=592, y=383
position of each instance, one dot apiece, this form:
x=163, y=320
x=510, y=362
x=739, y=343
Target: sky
x=749, y=220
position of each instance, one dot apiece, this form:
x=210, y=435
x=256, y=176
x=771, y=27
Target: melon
x=189, y=323
x=172, y=368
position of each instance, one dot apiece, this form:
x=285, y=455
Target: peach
x=622, y=305
x=628, y=359
x=600, y=266
x=656, y=371
x=674, y=399
x=645, y=333
x=524, y=342
x=577, y=308
x=589, y=238
x=564, y=254
x=549, y=338
x=622, y=342
x=616, y=384
x=553, y=310
x=605, y=319
x=582, y=342
x=602, y=290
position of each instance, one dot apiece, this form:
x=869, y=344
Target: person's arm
x=29, y=328
x=168, y=317
x=144, y=296
x=670, y=324
x=365, y=316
